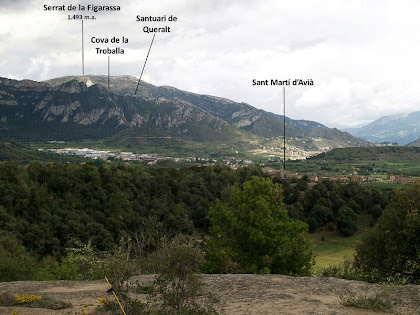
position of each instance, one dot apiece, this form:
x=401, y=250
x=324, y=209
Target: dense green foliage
x=332, y=205
x=346, y=218
x=391, y=251
x=47, y=209
x=252, y=233
x=48, y=206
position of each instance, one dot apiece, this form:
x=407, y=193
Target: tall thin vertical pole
x=83, y=52
x=284, y=130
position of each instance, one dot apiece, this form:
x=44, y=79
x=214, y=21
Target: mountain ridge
x=239, y=114
x=415, y=143
x=401, y=128
x=74, y=104
x=77, y=107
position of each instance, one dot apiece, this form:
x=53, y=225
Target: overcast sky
x=363, y=55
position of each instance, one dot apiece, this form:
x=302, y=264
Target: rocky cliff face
x=56, y=108
x=28, y=104
x=239, y=115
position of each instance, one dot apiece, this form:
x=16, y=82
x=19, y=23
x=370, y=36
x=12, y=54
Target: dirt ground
x=239, y=294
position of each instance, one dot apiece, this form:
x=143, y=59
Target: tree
x=318, y=216
x=346, y=221
x=391, y=251
x=376, y=212
x=252, y=233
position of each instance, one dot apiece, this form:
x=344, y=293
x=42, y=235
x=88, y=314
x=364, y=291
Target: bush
x=15, y=263
x=344, y=271
x=33, y=301
x=178, y=286
x=391, y=251
x=130, y=306
x=84, y=262
x=377, y=303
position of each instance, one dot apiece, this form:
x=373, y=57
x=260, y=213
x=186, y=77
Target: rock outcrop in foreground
x=239, y=294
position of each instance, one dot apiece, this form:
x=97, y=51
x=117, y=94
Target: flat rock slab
x=239, y=294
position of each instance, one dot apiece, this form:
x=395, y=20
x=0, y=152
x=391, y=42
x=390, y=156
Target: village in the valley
x=340, y=178
x=232, y=162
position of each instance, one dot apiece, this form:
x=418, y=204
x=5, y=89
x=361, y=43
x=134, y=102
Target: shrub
x=130, y=305
x=391, y=251
x=178, y=286
x=377, y=303
x=15, y=263
x=84, y=262
x=32, y=300
x=344, y=271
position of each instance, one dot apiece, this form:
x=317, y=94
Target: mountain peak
x=82, y=107
x=72, y=86
x=402, y=128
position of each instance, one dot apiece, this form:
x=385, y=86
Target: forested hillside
x=48, y=207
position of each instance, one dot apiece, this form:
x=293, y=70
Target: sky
x=362, y=55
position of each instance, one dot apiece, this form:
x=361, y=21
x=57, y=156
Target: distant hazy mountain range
x=415, y=143
x=400, y=128
x=82, y=107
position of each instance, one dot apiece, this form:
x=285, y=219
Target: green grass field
x=380, y=161
x=386, y=186
x=335, y=248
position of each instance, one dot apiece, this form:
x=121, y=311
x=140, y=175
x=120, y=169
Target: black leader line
x=284, y=130
x=83, y=51
x=138, y=83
